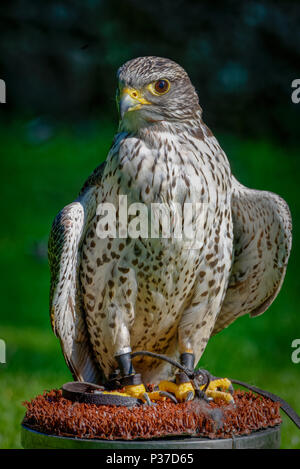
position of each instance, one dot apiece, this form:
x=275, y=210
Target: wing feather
x=262, y=229
x=66, y=304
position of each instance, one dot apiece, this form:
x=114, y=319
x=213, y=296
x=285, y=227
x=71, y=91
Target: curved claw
x=147, y=399
x=189, y=396
x=225, y=396
x=169, y=395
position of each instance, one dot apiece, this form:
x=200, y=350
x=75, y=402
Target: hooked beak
x=131, y=100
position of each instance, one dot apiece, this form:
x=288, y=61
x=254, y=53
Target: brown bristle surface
x=52, y=414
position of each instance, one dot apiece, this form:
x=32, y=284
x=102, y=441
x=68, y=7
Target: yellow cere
x=135, y=94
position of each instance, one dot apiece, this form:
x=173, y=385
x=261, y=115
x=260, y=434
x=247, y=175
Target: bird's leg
x=189, y=335
x=206, y=384
x=187, y=359
x=124, y=381
x=202, y=385
x=132, y=381
x=183, y=389
x=187, y=385
x=125, y=363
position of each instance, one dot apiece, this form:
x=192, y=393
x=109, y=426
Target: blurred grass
x=38, y=179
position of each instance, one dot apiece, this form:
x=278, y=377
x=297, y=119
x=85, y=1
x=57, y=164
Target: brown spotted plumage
x=162, y=294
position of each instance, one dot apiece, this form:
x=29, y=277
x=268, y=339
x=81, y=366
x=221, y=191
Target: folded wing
x=262, y=243
x=66, y=305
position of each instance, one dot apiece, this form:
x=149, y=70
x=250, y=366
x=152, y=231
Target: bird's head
x=154, y=89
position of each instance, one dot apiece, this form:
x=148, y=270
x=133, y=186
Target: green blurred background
x=59, y=61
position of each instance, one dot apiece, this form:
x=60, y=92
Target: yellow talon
x=222, y=383
x=138, y=391
x=155, y=396
x=117, y=393
x=179, y=390
x=130, y=391
x=135, y=390
x=218, y=389
x=220, y=395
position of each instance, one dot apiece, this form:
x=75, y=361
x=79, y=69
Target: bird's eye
x=161, y=86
